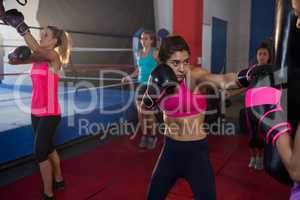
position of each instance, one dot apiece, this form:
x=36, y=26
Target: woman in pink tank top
x=48, y=55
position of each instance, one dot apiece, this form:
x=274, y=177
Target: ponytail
x=63, y=45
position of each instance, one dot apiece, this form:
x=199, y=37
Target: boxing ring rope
x=12, y=74
x=85, y=49
x=87, y=67
x=72, y=77
x=112, y=35
x=75, y=73
x=80, y=49
x=81, y=89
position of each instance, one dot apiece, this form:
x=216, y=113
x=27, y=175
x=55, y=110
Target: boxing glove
x=247, y=76
x=15, y=19
x=162, y=82
x=20, y=53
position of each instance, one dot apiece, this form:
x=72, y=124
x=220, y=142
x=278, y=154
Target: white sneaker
x=252, y=162
x=143, y=142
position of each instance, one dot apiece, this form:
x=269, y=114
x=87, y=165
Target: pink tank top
x=184, y=103
x=44, y=100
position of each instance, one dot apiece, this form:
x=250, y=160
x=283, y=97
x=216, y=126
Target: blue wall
x=262, y=23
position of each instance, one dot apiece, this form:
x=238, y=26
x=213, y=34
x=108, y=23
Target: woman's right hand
x=15, y=18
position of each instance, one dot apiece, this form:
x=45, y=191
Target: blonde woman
x=48, y=55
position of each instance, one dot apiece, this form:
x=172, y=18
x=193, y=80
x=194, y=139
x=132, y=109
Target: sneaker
x=259, y=163
x=143, y=142
x=45, y=197
x=152, y=140
x=58, y=185
x=252, y=162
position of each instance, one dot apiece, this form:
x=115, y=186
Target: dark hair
x=267, y=46
x=171, y=45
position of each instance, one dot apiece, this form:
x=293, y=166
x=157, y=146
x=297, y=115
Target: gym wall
x=237, y=15
x=193, y=20
x=262, y=23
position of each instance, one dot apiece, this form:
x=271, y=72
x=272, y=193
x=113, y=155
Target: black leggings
x=188, y=160
x=255, y=141
x=44, y=129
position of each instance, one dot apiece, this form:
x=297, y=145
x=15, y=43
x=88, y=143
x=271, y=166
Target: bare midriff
x=188, y=128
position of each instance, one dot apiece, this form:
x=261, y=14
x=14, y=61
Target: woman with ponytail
x=47, y=57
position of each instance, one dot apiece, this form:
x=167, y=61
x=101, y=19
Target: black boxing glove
x=162, y=82
x=15, y=19
x=20, y=53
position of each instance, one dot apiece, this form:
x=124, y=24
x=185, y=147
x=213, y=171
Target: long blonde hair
x=63, y=44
